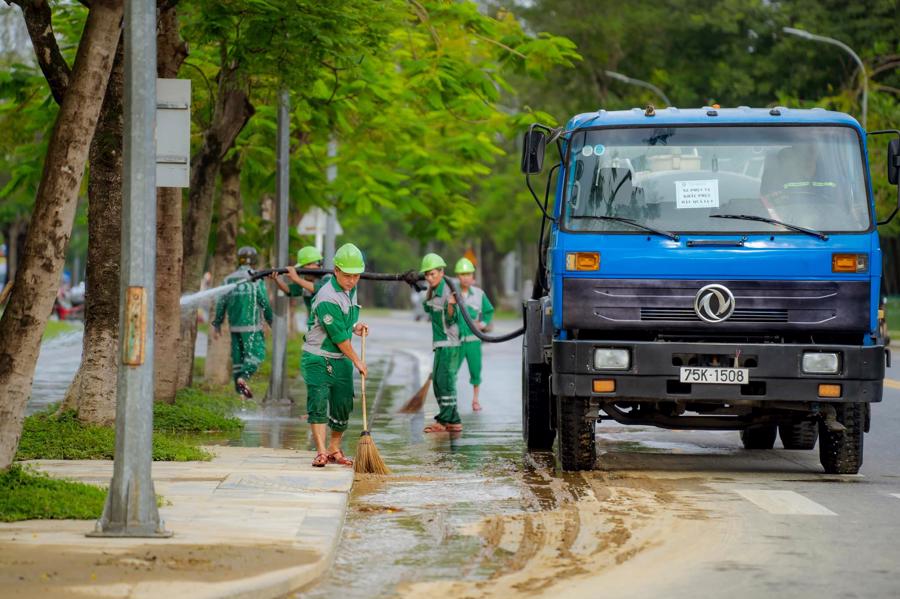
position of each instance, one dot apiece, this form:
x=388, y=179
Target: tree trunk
x=218, y=358
x=231, y=113
x=92, y=393
x=37, y=279
x=171, y=53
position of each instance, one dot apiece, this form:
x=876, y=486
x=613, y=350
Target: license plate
x=715, y=376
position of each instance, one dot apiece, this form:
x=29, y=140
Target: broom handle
x=363, y=385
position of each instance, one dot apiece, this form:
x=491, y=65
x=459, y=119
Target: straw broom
x=418, y=400
x=368, y=460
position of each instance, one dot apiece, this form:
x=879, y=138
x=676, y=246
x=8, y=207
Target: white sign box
x=173, y=132
x=697, y=194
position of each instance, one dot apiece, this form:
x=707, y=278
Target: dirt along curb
x=253, y=522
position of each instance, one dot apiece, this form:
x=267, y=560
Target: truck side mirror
x=534, y=144
x=893, y=161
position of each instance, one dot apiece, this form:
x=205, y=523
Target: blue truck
x=707, y=268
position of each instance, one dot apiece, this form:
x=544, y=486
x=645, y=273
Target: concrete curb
x=244, y=505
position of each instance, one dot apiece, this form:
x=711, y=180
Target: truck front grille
x=739, y=315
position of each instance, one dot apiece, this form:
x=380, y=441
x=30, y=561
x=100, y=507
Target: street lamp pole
x=131, y=504
x=829, y=40
x=639, y=83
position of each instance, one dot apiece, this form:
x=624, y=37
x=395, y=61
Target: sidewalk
x=252, y=523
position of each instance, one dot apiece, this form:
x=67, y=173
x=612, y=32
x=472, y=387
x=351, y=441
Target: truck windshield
x=676, y=178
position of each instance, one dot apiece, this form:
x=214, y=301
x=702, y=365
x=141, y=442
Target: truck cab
x=707, y=269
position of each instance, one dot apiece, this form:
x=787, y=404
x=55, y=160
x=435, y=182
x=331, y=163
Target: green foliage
x=198, y=411
x=732, y=52
x=28, y=495
x=62, y=437
x=55, y=328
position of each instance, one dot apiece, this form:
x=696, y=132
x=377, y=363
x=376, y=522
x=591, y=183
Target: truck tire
x=577, y=449
x=759, y=436
x=841, y=452
x=537, y=429
x=799, y=435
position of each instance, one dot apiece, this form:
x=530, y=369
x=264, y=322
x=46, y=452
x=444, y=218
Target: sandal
x=338, y=457
x=244, y=389
x=454, y=428
x=476, y=407
x=320, y=461
x=437, y=427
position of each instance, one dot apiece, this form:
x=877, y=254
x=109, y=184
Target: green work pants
x=471, y=354
x=248, y=350
x=329, y=390
x=444, y=371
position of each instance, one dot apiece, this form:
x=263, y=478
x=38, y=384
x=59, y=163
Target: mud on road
x=586, y=533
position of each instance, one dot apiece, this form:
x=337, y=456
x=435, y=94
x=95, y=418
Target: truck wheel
x=537, y=431
x=759, y=436
x=799, y=435
x=841, y=452
x=577, y=449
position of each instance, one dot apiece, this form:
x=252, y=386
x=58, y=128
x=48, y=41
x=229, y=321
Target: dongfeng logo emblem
x=714, y=303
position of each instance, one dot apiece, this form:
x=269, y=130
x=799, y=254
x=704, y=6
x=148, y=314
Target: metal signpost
x=331, y=220
x=278, y=382
x=130, y=509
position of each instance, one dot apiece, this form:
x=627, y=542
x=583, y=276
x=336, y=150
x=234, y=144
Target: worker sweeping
x=329, y=358
x=482, y=312
x=440, y=305
x=305, y=286
x=246, y=306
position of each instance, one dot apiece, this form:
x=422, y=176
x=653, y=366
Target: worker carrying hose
x=329, y=359
x=440, y=306
x=304, y=286
x=246, y=306
x=482, y=312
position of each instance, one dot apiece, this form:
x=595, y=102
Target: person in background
x=481, y=310
x=440, y=305
x=304, y=286
x=246, y=306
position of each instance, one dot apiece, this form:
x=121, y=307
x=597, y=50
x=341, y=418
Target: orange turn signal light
x=583, y=261
x=829, y=390
x=849, y=263
x=604, y=385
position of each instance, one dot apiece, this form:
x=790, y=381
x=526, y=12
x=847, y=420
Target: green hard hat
x=349, y=259
x=308, y=255
x=432, y=261
x=464, y=266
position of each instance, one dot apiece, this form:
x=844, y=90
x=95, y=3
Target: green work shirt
x=480, y=309
x=444, y=327
x=246, y=305
x=295, y=290
x=334, y=312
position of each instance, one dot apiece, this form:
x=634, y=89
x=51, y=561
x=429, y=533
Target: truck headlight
x=821, y=363
x=612, y=359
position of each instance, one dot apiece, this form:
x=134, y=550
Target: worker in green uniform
x=482, y=312
x=329, y=359
x=246, y=306
x=440, y=305
x=304, y=286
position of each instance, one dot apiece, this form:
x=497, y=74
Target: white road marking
x=897, y=495
x=786, y=503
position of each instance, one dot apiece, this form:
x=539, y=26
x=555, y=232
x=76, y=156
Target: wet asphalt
x=825, y=536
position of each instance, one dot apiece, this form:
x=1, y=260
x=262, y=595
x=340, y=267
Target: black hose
x=461, y=306
x=412, y=278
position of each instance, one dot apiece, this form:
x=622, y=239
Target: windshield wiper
x=633, y=223
x=772, y=221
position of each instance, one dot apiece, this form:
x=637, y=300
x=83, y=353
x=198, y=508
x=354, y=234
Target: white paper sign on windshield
x=697, y=194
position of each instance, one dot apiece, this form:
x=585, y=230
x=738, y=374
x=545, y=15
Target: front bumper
x=775, y=373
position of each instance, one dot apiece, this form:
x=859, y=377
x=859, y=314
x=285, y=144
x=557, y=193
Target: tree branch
x=39, y=22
